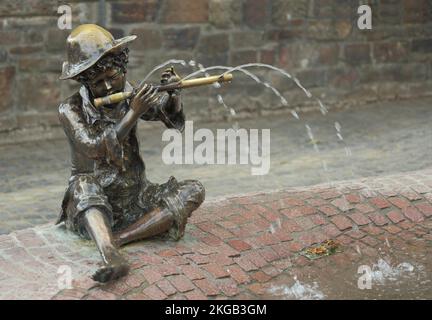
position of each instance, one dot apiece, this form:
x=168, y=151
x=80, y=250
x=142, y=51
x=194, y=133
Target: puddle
x=390, y=275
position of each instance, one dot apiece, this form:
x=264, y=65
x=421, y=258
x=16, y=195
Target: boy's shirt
x=95, y=149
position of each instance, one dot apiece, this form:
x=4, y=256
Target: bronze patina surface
x=109, y=199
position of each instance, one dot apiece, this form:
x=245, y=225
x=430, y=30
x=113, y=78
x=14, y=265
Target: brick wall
x=316, y=40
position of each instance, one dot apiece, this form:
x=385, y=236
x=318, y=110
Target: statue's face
x=111, y=81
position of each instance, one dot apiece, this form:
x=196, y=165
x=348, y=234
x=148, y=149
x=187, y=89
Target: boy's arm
x=169, y=107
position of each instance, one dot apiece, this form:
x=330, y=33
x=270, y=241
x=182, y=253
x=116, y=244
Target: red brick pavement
x=232, y=246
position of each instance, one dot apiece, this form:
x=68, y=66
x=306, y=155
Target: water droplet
x=219, y=99
x=324, y=164
x=337, y=126
x=284, y=102
x=339, y=136
x=232, y=111
x=358, y=249
x=192, y=63
x=272, y=229
x=295, y=115
x=183, y=63
x=348, y=152
x=323, y=109
x=216, y=85
x=200, y=66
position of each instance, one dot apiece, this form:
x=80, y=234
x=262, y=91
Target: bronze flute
x=117, y=97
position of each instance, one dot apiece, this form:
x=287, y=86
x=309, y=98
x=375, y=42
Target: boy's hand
x=145, y=98
x=174, y=104
x=170, y=76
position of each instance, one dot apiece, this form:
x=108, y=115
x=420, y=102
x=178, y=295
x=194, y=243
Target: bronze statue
x=109, y=198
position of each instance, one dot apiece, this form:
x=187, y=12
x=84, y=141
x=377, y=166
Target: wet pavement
x=378, y=139
x=254, y=246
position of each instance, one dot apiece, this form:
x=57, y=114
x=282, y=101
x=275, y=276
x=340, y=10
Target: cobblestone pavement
x=383, y=138
x=252, y=246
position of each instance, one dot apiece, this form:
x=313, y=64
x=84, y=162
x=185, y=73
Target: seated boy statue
x=109, y=198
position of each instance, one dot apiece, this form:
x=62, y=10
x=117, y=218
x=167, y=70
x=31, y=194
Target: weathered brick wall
x=316, y=40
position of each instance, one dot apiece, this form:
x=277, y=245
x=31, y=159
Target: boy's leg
x=100, y=231
x=151, y=224
x=178, y=207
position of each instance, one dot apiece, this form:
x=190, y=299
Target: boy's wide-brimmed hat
x=87, y=44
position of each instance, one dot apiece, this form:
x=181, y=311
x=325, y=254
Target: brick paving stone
x=101, y=295
x=281, y=250
x=268, y=254
x=208, y=288
x=372, y=230
x=369, y=241
x=392, y=229
x=221, y=259
x=267, y=239
x=256, y=258
x=425, y=208
x=167, y=253
x=380, y=203
x=344, y=240
x=406, y=224
x=271, y=271
x=211, y=240
x=328, y=210
x=166, y=287
x=353, y=198
x=413, y=214
x=395, y=216
x=316, y=202
x=329, y=195
x=331, y=231
x=198, y=258
x=153, y=292
x=318, y=220
x=177, y=260
x=342, y=204
x=399, y=202
x=291, y=226
x=216, y=270
x=195, y=295
x=260, y=276
x=238, y=274
x=285, y=203
x=305, y=223
x=282, y=235
x=364, y=208
x=168, y=269
x=360, y=218
x=411, y=195
x=134, y=280
x=378, y=219
x=341, y=222
x=181, y=283
x=192, y=272
x=245, y=264
x=182, y=249
x=152, y=275
x=356, y=234
x=257, y=288
x=228, y=287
